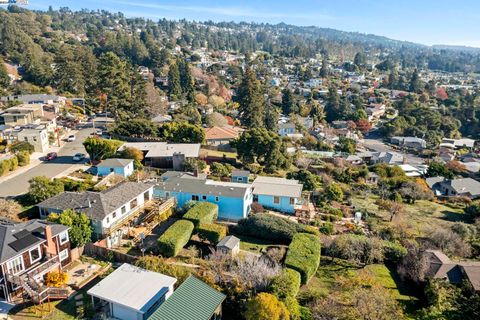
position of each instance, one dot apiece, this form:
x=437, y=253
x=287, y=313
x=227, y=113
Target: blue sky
x=455, y=22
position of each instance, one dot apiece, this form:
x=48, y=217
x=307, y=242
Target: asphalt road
x=19, y=185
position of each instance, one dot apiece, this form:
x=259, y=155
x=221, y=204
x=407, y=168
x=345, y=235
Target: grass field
x=419, y=215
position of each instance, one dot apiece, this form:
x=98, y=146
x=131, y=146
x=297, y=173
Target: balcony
x=43, y=267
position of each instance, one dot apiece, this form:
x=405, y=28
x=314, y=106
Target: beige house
x=20, y=115
x=37, y=137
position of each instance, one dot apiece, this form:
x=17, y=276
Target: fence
x=76, y=253
x=94, y=249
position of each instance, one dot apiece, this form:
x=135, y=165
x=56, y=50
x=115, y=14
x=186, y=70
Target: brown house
x=28, y=251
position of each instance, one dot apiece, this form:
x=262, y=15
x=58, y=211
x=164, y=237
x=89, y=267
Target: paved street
x=19, y=185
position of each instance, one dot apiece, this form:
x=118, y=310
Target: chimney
x=51, y=248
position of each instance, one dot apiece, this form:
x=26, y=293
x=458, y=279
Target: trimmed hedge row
x=304, y=255
x=286, y=284
x=175, y=238
x=212, y=232
x=202, y=212
x=269, y=227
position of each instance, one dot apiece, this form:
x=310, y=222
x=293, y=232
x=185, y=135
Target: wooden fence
x=94, y=249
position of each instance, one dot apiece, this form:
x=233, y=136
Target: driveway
x=19, y=184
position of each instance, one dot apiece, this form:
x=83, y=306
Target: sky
x=453, y=22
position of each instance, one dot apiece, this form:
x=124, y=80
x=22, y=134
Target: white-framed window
x=217, y=199
x=35, y=254
x=15, y=265
x=167, y=194
x=63, y=237
x=63, y=254
x=276, y=200
x=292, y=201
x=123, y=210
x=114, y=215
x=108, y=220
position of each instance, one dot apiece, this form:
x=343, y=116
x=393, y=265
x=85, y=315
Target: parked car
x=78, y=157
x=50, y=156
x=71, y=138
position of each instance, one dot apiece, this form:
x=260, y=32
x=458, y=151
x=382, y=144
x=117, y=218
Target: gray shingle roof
x=281, y=187
x=193, y=300
x=229, y=242
x=97, y=205
x=33, y=229
x=464, y=185
x=240, y=173
x=115, y=163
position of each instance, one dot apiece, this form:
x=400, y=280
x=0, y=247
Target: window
x=114, y=215
x=133, y=204
x=15, y=266
x=63, y=254
x=146, y=196
x=239, y=179
x=204, y=197
x=64, y=237
x=167, y=194
x=194, y=198
x=35, y=255
x=217, y=199
x=123, y=210
x=292, y=201
x=276, y=200
x=108, y=220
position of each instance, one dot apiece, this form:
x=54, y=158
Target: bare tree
x=449, y=242
x=414, y=265
x=10, y=209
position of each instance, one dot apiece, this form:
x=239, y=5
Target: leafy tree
x=360, y=59
x=220, y=170
x=80, y=232
x=336, y=108
x=138, y=128
x=288, y=102
x=182, y=132
x=309, y=180
x=333, y=192
x=56, y=279
x=68, y=73
x=272, y=114
x=99, y=149
x=316, y=112
x=264, y=147
x=324, y=69
x=266, y=306
x=436, y=169
x=41, y=188
x=252, y=103
x=4, y=78
x=10, y=209
x=192, y=164
x=347, y=145
x=415, y=82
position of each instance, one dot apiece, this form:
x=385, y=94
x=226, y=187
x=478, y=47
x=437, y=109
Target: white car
x=78, y=157
x=71, y=138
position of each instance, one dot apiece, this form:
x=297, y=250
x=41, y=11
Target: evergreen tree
x=288, y=101
x=186, y=81
x=324, y=69
x=272, y=114
x=68, y=72
x=114, y=84
x=88, y=63
x=252, y=103
x=316, y=112
x=4, y=78
x=360, y=59
x=335, y=108
x=415, y=82
x=174, y=87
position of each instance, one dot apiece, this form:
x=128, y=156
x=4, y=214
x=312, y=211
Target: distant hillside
x=457, y=48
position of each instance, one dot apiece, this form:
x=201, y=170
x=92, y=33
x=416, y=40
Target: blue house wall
x=285, y=131
x=240, y=179
x=229, y=208
x=121, y=171
x=283, y=205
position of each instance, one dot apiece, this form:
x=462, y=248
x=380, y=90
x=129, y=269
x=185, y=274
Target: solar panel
x=21, y=234
x=23, y=243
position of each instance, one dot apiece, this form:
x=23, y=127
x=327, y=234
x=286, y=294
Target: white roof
x=163, y=149
x=132, y=287
x=273, y=186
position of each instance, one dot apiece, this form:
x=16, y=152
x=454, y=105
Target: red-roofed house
x=221, y=136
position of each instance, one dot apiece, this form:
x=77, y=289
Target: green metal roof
x=193, y=300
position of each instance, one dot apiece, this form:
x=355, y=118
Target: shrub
x=13, y=163
x=286, y=284
x=269, y=227
x=266, y=307
x=393, y=252
x=304, y=255
x=175, y=238
x=23, y=158
x=212, y=232
x=202, y=212
x=56, y=279
x=326, y=228
x=22, y=146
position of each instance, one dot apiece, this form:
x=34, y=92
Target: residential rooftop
x=274, y=186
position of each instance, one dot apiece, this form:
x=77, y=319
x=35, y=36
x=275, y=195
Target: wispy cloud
x=238, y=12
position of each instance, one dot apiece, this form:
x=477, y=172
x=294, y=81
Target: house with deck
x=121, y=167
x=463, y=187
x=132, y=293
x=278, y=194
x=233, y=199
x=28, y=251
x=108, y=210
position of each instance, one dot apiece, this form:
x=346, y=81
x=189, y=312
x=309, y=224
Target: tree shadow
x=454, y=216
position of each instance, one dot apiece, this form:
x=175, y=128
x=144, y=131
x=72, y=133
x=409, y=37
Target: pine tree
x=186, y=81
x=288, y=101
x=252, y=102
x=415, y=82
x=4, y=78
x=114, y=83
x=272, y=114
x=68, y=72
x=174, y=87
x=324, y=69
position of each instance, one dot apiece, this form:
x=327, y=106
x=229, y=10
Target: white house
x=133, y=293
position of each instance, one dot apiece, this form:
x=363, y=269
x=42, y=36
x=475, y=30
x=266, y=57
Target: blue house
x=285, y=129
x=121, y=167
x=240, y=176
x=278, y=194
x=233, y=199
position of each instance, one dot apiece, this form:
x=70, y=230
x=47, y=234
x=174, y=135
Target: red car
x=50, y=156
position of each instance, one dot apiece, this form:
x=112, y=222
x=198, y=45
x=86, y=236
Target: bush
x=175, y=238
x=266, y=307
x=13, y=163
x=304, y=255
x=286, y=284
x=22, y=146
x=201, y=213
x=56, y=279
x=326, y=228
x=269, y=227
x=23, y=158
x=212, y=232
x=393, y=252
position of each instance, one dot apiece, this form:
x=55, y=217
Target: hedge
x=212, y=232
x=304, y=255
x=269, y=227
x=175, y=238
x=23, y=158
x=8, y=165
x=202, y=212
x=286, y=284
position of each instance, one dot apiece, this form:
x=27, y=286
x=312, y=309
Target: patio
x=80, y=273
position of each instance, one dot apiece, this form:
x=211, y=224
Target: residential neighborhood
x=182, y=167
